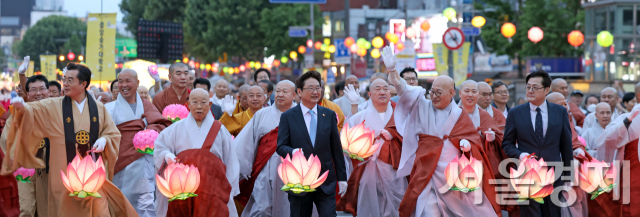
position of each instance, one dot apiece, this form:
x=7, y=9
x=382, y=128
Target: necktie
x=312, y=128
x=539, y=134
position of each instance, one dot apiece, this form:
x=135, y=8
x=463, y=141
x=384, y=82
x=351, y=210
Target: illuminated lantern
x=324, y=47
x=143, y=141
x=179, y=181
x=349, y=41
x=185, y=60
x=478, y=21
x=362, y=52
x=377, y=42
x=84, y=177
x=317, y=45
x=375, y=53
x=533, y=179
x=61, y=58
x=242, y=68
x=327, y=41
x=400, y=29
x=176, y=112
x=80, y=58
x=596, y=177
x=394, y=38
x=276, y=63
x=449, y=13
x=353, y=48
x=207, y=67
x=225, y=69
x=367, y=45
x=251, y=64
x=575, y=38
x=71, y=55
x=202, y=66
x=361, y=42
x=508, y=30
x=302, y=49
x=535, y=34
x=293, y=55
x=257, y=65
x=425, y=26
x=410, y=33
x=332, y=49
x=301, y=175
x=358, y=141
x=463, y=174
x=605, y=39
x=388, y=35
x=400, y=46
x=24, y=175
x=309, y=43
x=284, y=60
x=197, y=65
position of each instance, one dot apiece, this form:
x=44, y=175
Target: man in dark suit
x=542, y=128
x=205, y=84
x=312, y=129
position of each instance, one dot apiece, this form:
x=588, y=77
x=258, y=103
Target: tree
x=498, y=12
x=46, y=34
x=73, y=45
x=133, y=11
x=274, y=24
x=165, y=10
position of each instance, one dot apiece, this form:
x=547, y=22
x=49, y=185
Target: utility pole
x=312, y=27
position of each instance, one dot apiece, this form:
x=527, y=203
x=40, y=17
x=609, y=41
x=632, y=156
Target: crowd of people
x=237, y=140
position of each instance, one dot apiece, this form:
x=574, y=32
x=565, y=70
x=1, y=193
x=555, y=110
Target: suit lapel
x=301, y=124
x=526, y=115
x=319, y=123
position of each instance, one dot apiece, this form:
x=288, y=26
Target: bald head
x=128, y=84
x=199, y=92
x=286, y=83
x=378, y=75
x=485, y=95
x=352, y=80
x=444, y=80
x=469, y=95
x=560, y=85
x=244, y=88
x=285, y=92
x=484, y=86
x=637, y=90
x=256, y=98
x=603, y=114
x=555, y=97
x=129, y=72
x=199, y=104
x=469, y=83
x=444, y=87
x=610, y=96
x=221, y=88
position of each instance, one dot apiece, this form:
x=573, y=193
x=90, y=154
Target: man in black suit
x=312, y=129
x=542, y=128
x=205, y=84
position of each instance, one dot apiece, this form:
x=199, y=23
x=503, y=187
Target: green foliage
x=42, y=36
x=73, y=44
x=166, y=10
x=275, y=22
x=133, y=11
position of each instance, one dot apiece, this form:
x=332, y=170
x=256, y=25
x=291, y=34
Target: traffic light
x=159, y=40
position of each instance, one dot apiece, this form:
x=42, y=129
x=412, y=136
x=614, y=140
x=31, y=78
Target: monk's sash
x=266, y=148
x=214, y=190
x=70, y=136
x=128, y=153
x=44, y=152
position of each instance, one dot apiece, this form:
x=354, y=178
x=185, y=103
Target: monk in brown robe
x=235, y=123
x=484, y=101
x=177, y=93
x=60, y=119
x=560, y=85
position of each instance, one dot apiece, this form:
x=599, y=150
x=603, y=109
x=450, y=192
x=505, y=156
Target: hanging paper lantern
x=508, y=30
x=242, y=68
x=293, y=55
x=332, y=49
x=24, y=175
x=84, y=177
x=257, y=65
x=358, y=141
x=463, y=174
x=367, y=45
x=535, y=34
x=327, y=41
x=179, y=181
x=400, y=46
x=185, y=60
x=215, y=69
x=225, y=69
x=449, y=13
x=394, y=38
x=309, y=43
x=276, y=63
x=317, y=45
x=284, y=60
x=605, y=39
x=202, y=66
x=300, y=174
x=377, y=42
x=176, y=112
x=410, y=33
x=575, y=38
x=375, y=53
x=425, y=26
x=362, y=52
x=400, y=29
x=361, y=42
x=533, y=179
x=388, y=35
x=302, y=49
x=324, y=47
x=597, y=177
x=197, y=65
x=207, y=66
x=251, y=64
x=478, y=21
x=349, y=41
x=143, y=141
x=353, y=48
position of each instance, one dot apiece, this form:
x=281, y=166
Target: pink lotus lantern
x=596, y=177
x=463, y=174
x=143, y=141
x=175, y=112
x=533, y=179
x=179, y=182
x=84, y=177
x=358, y=141
x=301, y=175
x=153, y=69
x=24, y=175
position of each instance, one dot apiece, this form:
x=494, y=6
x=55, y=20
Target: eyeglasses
x=312, y=89
x=411, y=79
x=41, y=90
x=435, y=93
x=502, y=92
x=532, y=88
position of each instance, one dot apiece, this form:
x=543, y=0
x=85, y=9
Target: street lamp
x=80, y=58
x=61, y=58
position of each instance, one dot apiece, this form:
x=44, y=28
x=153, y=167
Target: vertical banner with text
x=28, y=73
x=101, y=42
x=460, y=62
x=48, y=66
x=441, y=56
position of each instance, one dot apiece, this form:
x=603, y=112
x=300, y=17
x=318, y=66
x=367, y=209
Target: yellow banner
x=29, y=73
x=441, y=57
x=460, y=63
x=48, y=66
x=101, y=45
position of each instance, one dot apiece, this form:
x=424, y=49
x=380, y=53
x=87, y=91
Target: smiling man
x=235, y=123
x=133, y=170
x=177, y=92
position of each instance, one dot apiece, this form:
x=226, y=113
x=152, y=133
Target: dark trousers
x=535, y=209
x=303, y=206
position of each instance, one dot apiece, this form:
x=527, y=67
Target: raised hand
x=25, y=65
x=228, y=104
x=352, y=94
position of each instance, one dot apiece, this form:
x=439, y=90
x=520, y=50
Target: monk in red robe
x=177, y=93
x=560, y=85
x=484, y=101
